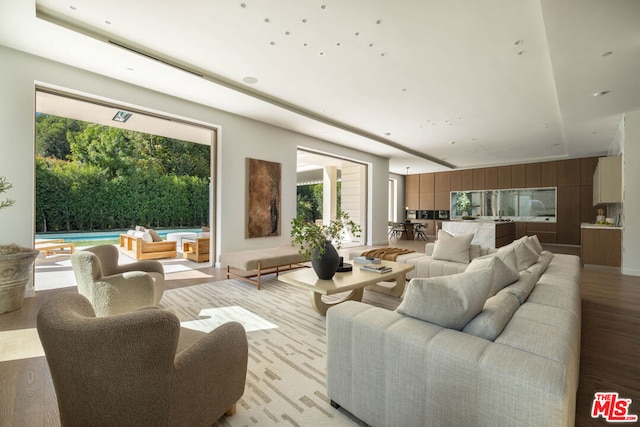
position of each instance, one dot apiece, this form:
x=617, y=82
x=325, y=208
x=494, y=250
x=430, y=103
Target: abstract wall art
x=263, y=198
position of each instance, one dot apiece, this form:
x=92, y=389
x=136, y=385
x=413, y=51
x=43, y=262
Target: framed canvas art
x=263, y=198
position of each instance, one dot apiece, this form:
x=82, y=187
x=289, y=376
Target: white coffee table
x=353, y=282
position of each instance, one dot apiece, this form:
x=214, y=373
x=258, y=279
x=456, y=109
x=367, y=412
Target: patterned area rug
x=286, y=374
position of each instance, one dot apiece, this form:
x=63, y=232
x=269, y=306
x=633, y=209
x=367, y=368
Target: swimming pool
x=107, y=235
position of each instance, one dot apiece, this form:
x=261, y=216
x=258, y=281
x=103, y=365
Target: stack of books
x=376, y=268
x=366, y=260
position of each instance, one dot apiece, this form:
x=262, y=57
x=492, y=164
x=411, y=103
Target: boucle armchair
x=112, y=288
x=139, y=368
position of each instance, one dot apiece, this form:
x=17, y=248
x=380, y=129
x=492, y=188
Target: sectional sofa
x=461, y=351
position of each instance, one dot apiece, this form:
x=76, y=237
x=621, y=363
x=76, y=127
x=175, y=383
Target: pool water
x=107, y=235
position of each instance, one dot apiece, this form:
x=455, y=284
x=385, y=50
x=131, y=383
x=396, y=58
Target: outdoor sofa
x=146, y=244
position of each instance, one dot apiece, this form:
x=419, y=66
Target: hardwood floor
x=609, y=352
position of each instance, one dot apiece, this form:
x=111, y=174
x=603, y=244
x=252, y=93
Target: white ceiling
x=429, y=84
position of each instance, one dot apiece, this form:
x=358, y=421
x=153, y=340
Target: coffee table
x=353, y=282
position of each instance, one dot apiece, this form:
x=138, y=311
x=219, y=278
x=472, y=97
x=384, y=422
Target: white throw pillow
x=526, y=255
x=502, y=274
x=452, y=248
x=535, y=242
x=448, y=301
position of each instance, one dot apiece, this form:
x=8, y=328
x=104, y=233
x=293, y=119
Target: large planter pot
x=325, y=265
x=15, y=272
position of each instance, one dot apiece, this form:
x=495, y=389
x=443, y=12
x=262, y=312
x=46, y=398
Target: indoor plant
x=316, y=242
x=15, y=265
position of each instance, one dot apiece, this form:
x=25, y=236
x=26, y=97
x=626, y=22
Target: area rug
x=286, y=374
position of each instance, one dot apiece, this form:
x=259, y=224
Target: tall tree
x=53, y=133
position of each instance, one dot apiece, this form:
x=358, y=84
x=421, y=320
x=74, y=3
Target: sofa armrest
x=428, y=248
x=210, y=373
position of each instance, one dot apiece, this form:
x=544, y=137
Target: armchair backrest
x=115, y=370
x=108, y=256
x=87, y=269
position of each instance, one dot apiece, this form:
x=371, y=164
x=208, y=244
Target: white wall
x=239, y=138
x=631, y=195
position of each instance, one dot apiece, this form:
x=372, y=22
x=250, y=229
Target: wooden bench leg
x=231, y=411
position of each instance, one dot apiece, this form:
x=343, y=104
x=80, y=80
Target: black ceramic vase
x=325, y=266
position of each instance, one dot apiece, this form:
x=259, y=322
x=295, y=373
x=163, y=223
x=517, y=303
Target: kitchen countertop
x=606, y=227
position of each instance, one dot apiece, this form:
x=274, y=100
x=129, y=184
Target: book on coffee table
x=366, y=260
x=376, y=268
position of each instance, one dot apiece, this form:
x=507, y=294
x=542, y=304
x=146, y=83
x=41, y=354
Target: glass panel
x=527, y=204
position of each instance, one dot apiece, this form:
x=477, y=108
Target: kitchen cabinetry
x=412, y=192
x=601, y=245
x=607, y=180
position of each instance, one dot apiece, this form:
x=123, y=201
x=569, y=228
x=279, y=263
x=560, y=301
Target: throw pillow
x=448, y=301
x=452, y=248
x=495, y=315
x=474, y=251
x=535, y=242
x=154, y=235
x=508, y=256
x=525, y=255
x=502, y=274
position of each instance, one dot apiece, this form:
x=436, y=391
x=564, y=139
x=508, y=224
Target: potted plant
x=15, y=265
x=316, y=242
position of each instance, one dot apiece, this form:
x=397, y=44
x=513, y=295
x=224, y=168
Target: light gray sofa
x=390, y=369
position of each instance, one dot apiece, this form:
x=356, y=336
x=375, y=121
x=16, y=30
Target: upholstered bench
x=255, y=263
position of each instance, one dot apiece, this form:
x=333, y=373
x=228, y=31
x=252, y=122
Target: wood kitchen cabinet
x=601, y=245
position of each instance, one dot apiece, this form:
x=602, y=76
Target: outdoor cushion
x=452, y=248
x=154, y=235
x=448, y=301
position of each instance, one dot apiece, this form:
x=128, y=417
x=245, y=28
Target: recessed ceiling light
x=555, y=145
x=243, y=5
x=522, y=52
x=519, y=42
x=304, y=21
x=130, y=69
x=72, y=7
x=606, y=53
x=324, y=6
x=250, y=80
x=604, y=92
x=122, y=116
x=107, y=22
x=267, y=20
x=272, y=43
x=387, y=134
x=452, y=142
x=379, y=21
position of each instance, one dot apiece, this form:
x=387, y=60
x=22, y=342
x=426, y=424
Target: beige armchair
x=139, y=368
x=112, y=288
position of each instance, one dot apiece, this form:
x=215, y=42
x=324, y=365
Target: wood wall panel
x=456, y=180
x=569, y=173
x=412, y=192
x=442, y=201
x=587, y=169
x=479, y=179
x=568, y=215
x=427, y=182
x=548, y=174
x=504, y=177
x=532, y=175
x=491, y=178
x=442, y=182
x=466, y=180
x=518, y=176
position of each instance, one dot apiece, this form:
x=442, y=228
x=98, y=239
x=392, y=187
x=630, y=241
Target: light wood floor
x=609, y=355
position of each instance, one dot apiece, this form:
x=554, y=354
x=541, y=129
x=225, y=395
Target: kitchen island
x=486, y=233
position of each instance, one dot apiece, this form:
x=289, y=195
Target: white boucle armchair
x=116, y=289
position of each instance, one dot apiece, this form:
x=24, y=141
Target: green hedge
x=72, y=197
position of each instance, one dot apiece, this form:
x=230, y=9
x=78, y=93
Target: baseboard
x=631, y=272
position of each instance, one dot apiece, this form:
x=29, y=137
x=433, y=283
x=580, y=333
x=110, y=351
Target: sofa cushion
x=495, y=315
x=452, y=248
x=502, y=274
x=474, y=251
x=448, y=301
x=146, y=237
x=154, y=235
